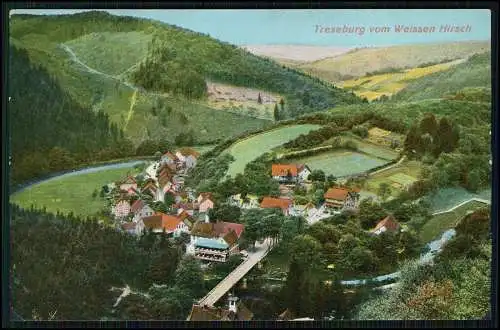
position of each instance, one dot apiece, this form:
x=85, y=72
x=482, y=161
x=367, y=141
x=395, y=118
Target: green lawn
x=251, y=148
x=441, y=222
x=371, y=148
x=340, y=162
x=406, y=172
x=72, y=193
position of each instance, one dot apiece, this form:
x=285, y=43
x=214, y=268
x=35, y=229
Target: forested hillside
x=87, y=55
x=179, y=61
x=49, y=130
x=81, y=278
x=468, y=80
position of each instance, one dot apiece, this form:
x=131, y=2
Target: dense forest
x=57, y=278
x=49, y=131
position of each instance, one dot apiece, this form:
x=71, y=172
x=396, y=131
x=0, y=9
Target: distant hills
x=297, y=54
x=358, y=62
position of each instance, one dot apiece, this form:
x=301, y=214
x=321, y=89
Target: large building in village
x=215, y=241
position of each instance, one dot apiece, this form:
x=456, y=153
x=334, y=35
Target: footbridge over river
x=254, y=257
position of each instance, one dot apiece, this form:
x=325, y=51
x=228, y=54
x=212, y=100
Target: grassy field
x=441, y=222
x=111, y=53
x=359, y=62
x=251, y=148
x=404, y=173
x=388, y=84
x=366, y=146
x=448, y=197
x=73, y=193
x=340, y=163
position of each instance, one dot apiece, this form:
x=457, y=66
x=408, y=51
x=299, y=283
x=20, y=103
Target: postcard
x=250, y=165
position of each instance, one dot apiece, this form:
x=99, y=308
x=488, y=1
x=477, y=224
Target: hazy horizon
x=303, y=27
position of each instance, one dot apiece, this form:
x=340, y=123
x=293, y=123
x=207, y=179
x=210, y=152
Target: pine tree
x=276, y=113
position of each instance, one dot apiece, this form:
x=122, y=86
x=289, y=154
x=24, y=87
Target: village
x=186, y=212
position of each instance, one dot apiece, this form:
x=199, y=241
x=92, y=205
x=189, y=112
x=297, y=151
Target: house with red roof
x=340, y=198
x=388, y=224
x=160, y=222
x=277, y=203
x=128, y=184
x=290, y=173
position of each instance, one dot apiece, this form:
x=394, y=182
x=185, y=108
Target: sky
x=302, y=27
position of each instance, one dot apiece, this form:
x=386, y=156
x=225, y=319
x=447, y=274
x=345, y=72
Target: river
x=85, y=170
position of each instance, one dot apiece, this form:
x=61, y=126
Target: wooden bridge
x=261, y=250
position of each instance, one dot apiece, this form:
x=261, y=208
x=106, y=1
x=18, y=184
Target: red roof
x=339, y=194
x=389, y=223
x=284, y=169
x=271, y=202
x=137, y=206
x=356, y=189
x=162, y=221
x=222, y=228
x=129, y=180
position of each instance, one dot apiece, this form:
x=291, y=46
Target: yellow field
x=390, y=83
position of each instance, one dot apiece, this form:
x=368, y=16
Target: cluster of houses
x=217, y=241
x=133, y=208
x=134, y=202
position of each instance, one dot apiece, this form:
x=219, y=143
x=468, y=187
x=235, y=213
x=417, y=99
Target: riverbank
x=74, y=192
x=98, y=166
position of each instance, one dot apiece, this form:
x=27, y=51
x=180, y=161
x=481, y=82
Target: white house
x=387, y=224
x=290, y=173
x=141, y=210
